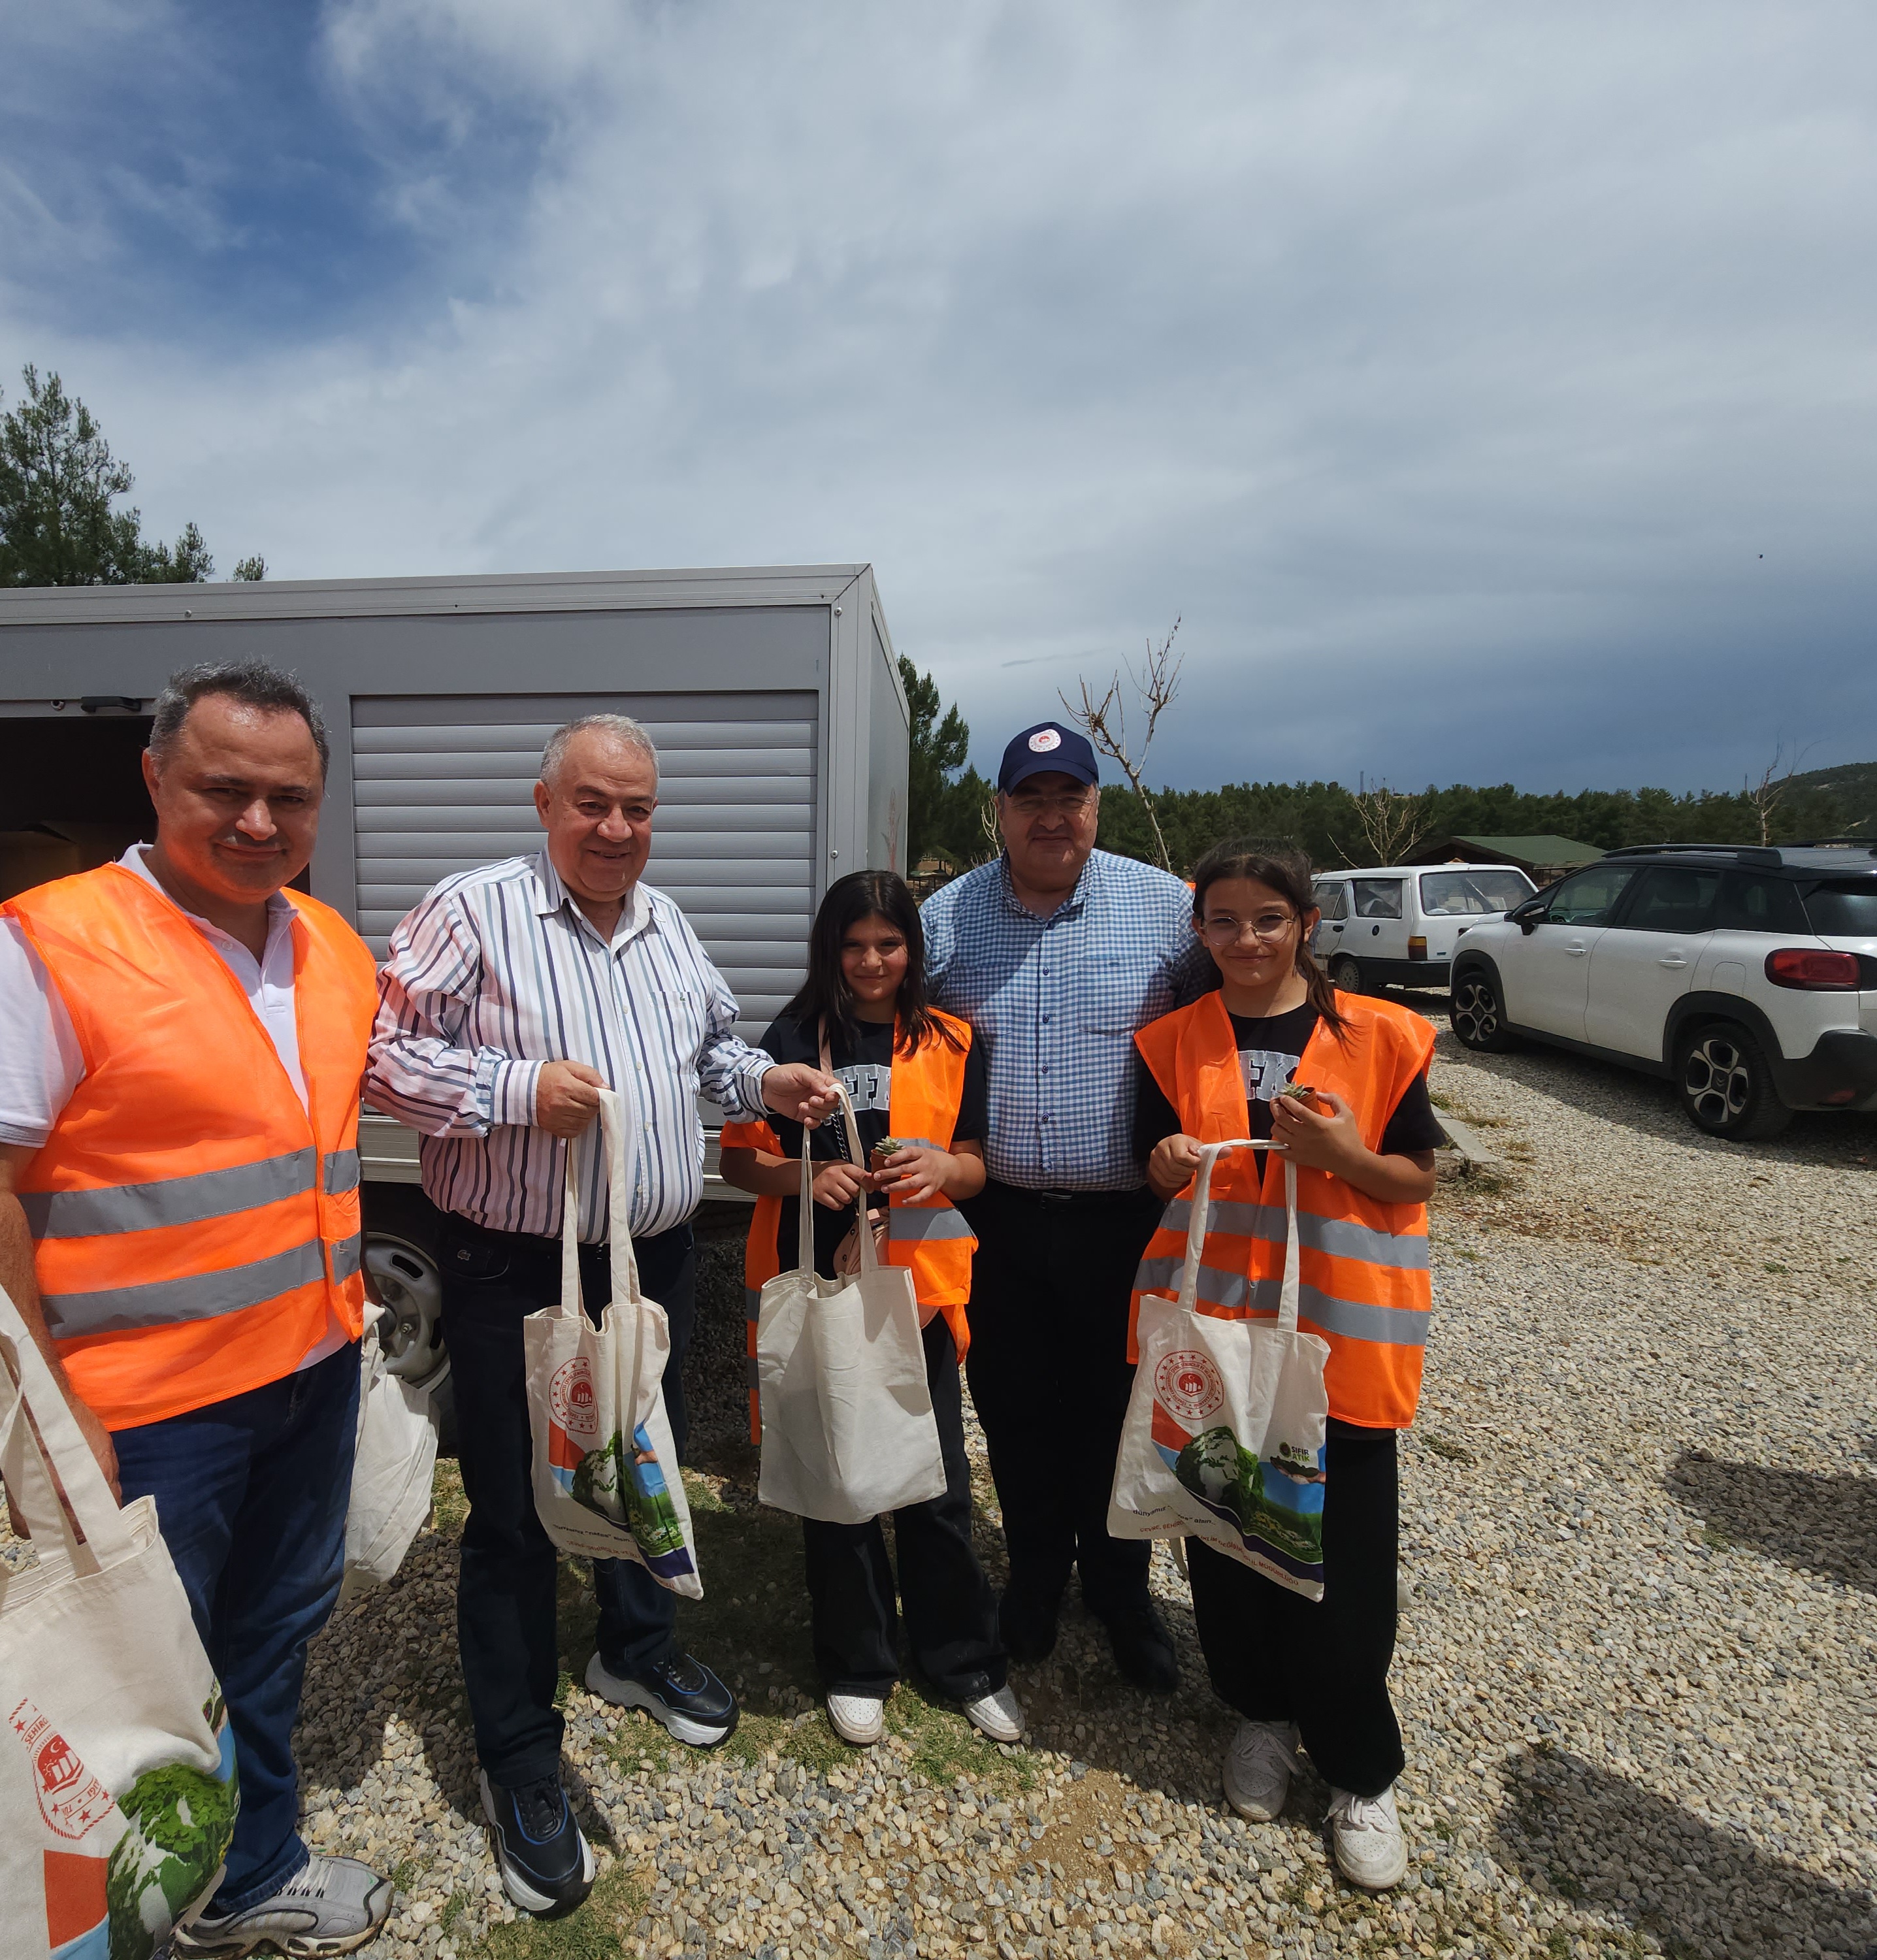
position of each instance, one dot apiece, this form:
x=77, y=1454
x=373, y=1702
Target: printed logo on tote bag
x=179, y=1822
x=1188, y=1386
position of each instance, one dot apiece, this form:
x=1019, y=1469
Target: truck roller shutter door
x=443, y=784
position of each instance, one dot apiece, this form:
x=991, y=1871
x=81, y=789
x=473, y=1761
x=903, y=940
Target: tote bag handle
x=805, y=1234
x=29, y=1460
x=625, y=1291
x=1200, y=1220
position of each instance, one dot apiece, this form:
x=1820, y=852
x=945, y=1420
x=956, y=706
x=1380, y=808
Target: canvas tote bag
x=393, y=1467
x=607, y=1480
x=118, y=1790
x=847, y=1428
x=1224, y=1436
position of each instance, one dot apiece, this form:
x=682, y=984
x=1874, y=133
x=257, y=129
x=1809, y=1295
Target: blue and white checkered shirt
x=1055, y=1003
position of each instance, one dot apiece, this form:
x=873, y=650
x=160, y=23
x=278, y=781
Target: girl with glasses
x=1363, y=1140
x=917, y=1083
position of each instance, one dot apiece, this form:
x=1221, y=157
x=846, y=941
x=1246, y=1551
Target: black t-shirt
x=1270, y=1048
x=865, y=1068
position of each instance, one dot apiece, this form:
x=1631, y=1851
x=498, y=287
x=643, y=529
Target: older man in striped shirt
x=512, y=995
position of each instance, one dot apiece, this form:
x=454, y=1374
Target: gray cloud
x=1448, y=368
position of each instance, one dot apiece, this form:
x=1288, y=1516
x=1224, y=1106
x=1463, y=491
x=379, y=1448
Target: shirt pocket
x=1119, y=992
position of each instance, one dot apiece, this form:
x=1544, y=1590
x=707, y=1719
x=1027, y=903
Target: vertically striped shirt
x=499, y=971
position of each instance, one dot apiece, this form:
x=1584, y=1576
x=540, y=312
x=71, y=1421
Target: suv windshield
x=1843, y=911
x=1453, y=894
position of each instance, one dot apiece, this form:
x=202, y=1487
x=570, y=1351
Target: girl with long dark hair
x=916, y=1084
x=1362, y=1137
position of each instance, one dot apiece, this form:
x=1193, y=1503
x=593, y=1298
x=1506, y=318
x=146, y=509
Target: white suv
x=1398, y=926
x=1746, y=976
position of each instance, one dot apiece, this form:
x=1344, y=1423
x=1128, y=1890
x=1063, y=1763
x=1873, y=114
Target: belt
x=1084, y=1200
x=524, y=1242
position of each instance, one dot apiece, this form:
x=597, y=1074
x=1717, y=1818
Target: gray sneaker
x=330, y=1905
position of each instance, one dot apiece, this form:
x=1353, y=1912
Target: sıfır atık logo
x=570, y=1397
x=1044, y=739
x=1187, y=1385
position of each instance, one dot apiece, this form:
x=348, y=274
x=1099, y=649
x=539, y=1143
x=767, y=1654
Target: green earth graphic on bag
x=627, y=1488
x=181, y=1821
x=1230, y=1480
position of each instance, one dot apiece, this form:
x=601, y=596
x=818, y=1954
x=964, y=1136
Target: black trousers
x=951, y=1613
x=1323, y=1664
x=1050, y=1375
x=505, y=1590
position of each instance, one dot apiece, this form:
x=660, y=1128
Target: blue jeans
x=251, y=1495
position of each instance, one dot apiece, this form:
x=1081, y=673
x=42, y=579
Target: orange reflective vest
x=931, y=1238
x=194, y=1226
x=1362, y=1265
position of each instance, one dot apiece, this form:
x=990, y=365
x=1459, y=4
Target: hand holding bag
x=607, y=1480
x=1224, y=1436
x=118, y=1791
x=846, y=1254
x=847, y=1428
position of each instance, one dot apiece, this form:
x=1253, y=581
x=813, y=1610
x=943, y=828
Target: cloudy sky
x=1489, y=390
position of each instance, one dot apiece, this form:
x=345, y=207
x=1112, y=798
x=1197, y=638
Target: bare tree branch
x=1766, y=795
x=1105, y=722
x=1391, y=825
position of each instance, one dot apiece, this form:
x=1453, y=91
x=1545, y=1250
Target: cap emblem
x=1044, y=739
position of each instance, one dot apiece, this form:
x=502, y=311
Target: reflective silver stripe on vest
x=348, y=1254
x=171, y=1200
x=1341, y=1238
x=753, y=1305
x=341, y=1172
x=203, y=1296
x=752, y=1370
x=909, y=1223
x=1354, y=1319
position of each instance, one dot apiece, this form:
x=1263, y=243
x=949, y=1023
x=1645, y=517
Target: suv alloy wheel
x=1725, y=1087
x=1476, y=1015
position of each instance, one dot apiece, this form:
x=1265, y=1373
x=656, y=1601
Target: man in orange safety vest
x=182, y=1040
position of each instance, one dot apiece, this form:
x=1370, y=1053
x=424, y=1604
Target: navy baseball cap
x=1048, y=747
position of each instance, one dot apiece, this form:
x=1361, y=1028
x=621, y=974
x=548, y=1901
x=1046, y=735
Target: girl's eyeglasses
x=1267, y=926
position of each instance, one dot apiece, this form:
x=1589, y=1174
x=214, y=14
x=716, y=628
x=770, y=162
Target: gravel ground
x=1636, y=1670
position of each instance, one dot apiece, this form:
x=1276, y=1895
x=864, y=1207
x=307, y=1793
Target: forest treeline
x=1321, y=816
x=950, y=805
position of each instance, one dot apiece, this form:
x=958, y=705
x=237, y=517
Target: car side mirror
x=1527, y=915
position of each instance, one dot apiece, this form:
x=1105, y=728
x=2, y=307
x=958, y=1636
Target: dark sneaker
x=682, y=1693
x=1026, y=1625
x=546, y=1864
x=329, y=1906
x=1142, y=1650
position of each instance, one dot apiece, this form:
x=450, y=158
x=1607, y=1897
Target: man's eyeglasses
x=1067, y=803
x=1267, y=926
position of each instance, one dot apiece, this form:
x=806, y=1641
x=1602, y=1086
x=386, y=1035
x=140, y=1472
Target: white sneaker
x=1001, y=1715
x=857, y=1719
x=329, y=1906
x=1366, y=1835
x=1257, y=1768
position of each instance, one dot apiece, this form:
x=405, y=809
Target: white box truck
x=773, y=695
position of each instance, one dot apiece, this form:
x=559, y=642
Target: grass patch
x=1451, y=1452
x=1774, y=1266
x=1715, y=1539
x=449, y=1505
x=601, y=1929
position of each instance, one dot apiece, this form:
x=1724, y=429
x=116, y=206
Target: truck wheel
x=1346, y=974
x=1725, y=1087
x=1476, y=1017
x=400, y=1254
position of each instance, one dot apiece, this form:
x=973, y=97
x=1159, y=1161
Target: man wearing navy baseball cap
x=1056, y=953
